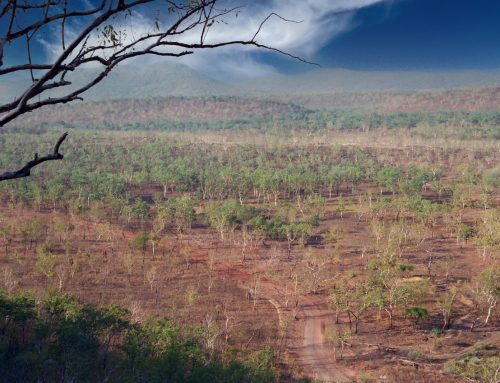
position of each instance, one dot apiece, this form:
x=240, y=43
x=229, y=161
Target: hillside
x=306, y=111
x=466, y=99
x=172, y=109
x=175, y=79
x=342, y=80
x=153, y=80
x=472, y=99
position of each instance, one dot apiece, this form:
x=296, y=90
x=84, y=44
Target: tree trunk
x=389, y=312
x=446, y=322
x=490, y=309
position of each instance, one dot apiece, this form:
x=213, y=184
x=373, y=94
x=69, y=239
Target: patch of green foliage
x=62, y=340
x=416, y=313
x=475, y=367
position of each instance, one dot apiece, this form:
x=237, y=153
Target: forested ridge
x=219, y=113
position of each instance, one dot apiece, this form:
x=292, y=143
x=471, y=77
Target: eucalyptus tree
x=337, y=338
x=294, y=232
x=177, y=212
x=488, y=233
x=389, y=292
x=354, y=173
x=447, y=304
x=33, y=231
x=389, y=177
x=227, y=216
x=332, y=178
x=7, y=233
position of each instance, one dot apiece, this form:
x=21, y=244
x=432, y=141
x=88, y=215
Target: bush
x=436, y=332
x=466, y=232
x=416, y=313
x=474, y=367
x=491, y=177
x=416, y=354
x=405, y=267
x=353, y=273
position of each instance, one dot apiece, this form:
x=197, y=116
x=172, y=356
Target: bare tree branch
x=23, y=67
x=48, y=19
x=267, y=19
x=25, y=171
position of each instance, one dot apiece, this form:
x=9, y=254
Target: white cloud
x=321, y=20
x=229, y=63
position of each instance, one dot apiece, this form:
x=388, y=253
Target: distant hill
x=476, y=99
x=131, y=81
x=341, y=80
x=174, y=79
x=163, y=109
x=487, y=99
x=186, y=112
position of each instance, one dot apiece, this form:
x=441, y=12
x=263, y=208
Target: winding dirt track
x=312, y=357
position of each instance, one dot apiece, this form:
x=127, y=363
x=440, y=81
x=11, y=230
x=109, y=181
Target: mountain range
x=175, y=79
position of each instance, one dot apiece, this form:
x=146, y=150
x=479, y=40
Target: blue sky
x=420, y=34
x=352, y=34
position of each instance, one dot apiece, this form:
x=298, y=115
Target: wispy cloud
x=320, y=21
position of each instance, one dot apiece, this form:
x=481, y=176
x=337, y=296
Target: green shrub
x=436, y=332
x=416, y=313
x=474, y=368
x=491, y=177
x=416, y=354
x=466, y=232
x=78, y=342
x=405, y=267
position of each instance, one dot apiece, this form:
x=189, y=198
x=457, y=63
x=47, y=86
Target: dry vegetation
x=357, y=256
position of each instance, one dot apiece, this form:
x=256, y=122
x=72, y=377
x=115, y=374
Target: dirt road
x=312, y=356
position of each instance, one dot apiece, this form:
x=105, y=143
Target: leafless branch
x=25, y=171
x=25, y=67
x=267, y=19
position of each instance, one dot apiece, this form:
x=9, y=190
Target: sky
x=350, y=34
x=419, y=34
x=373, y=35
